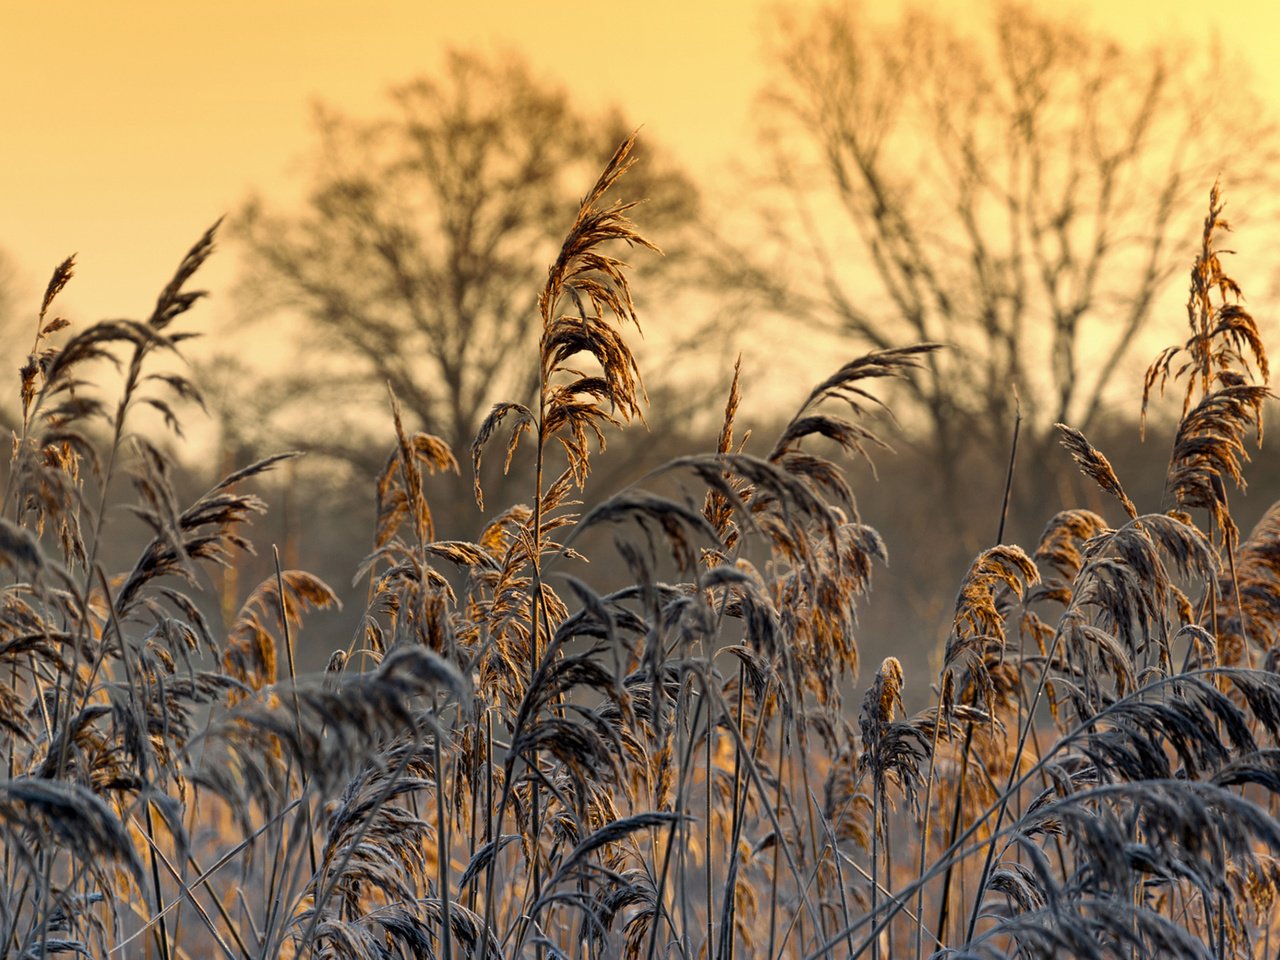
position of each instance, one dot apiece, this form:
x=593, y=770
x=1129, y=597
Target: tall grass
x=507, y=760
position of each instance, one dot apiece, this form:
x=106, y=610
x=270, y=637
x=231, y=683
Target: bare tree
x=425, y=240
x=1024, y=193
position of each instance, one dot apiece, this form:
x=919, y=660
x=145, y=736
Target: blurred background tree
x=1020, y=186
x=423, y=243
x=415, y=260
x=1023, y=189
x=1023, y=192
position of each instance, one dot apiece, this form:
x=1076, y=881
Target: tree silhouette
x=424, y=241
x=1020, y=194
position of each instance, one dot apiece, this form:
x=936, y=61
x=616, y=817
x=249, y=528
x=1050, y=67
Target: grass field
x=507, y=761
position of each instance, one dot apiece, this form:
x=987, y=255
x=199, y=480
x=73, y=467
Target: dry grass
x=506, y=761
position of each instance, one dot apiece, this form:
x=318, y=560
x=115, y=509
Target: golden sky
x=129, y=125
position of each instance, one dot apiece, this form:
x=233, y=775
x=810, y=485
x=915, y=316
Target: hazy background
x=129, y=127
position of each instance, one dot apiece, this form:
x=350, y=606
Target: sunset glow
x=130, y=126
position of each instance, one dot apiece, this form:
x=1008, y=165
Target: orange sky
x=128, y=126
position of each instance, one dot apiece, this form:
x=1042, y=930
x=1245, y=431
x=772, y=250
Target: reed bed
x=509, y=761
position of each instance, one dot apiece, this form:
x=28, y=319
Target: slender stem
x=1013, y=459
x=707, y=840
x=144, y=771
x=293, y=689
x=777, y=850
x=957, y=809
x=199, y=908
x=924, y=830
x=442, y=841
x=875, y=852
x=660, y=886
x=729, y=910
x=205, y=875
